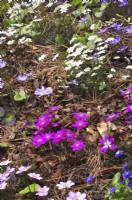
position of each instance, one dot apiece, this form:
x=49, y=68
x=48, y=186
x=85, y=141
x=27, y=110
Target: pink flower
x=107, y=144
x=80, y=124
x=77, y=145
x=43, y=191
x=43, y=121
x=126, y=92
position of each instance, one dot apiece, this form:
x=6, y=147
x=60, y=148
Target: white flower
x=42, y=57
x=56, y=56
x=63, y=8
x=4, y=163
x=87, y=69
x=79, y=74
x=63, y=185
x=110, y=76
x=112, y=70
x=129, y=67
x=126, y=76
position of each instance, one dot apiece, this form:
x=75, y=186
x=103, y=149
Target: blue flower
x=112, y=189
x=127, y=174
x=129, y=184
x=125, y=165
x=118, y=153
x=84, y=19
x=89, y=179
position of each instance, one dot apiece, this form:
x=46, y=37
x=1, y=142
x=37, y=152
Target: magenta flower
x=38, y=140
x=43, y=121
x=107, y=143
x=112, y=116
x=129, y=108
x=77, y=145
x=43, y=91
x=56, y=124
x=128, y=119
x=59, y=136
x=80, y=116
x=80, y=124
x=1, y=83
x=23, y=169
x=43, y=191
x=35, y=176
x=126, y=92
x=53, y=108
x=48, y=136
x=69, y=135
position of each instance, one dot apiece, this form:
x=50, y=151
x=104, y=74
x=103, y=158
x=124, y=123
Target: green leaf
x=3, y=144
x=20, y=95
x=116, y=178
x=31, y=188
x=9, y=118
x=76, y=2
x=104, y=6
x=97, y=12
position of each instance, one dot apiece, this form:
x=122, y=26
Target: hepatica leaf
x=20, y=95
x=30, y=188
x=9, y=118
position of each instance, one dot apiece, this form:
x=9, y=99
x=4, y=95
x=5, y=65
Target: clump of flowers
x=48, y=130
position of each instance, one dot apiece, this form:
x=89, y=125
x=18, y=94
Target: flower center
x=107, y=143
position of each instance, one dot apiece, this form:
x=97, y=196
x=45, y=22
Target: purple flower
x=113, y=25
x=129, y=108
x=125, y=165
x=80, y=116
x=21, y=78
x=77, y=145
x=4, y=177
x=76, y=196
x=43, y=191
x=129, y=184
x=103, y=30
x=69, y=135
x=83, y=19
x=23, y=169
x=80, y=124
x=35, y=176
x=107, y=144
x=48, y=136
x=128, y=119
x=59, y=136
x=2, y=64
x=112, y=189
x=129, y=98
x=53, y=108
x=38, y=140
x=118, y=153
x=63, y=185
x=123, y=48
x=43, y=91
x=112, y=116
x=3, y=185
x=116, y=40
x=127, y=174
x=89, y=179
x=126, y=92
x=4, y=163
x=123, y=2
x=128, y=29
x=8, y=171
x=74, y=82
x=1, y=83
